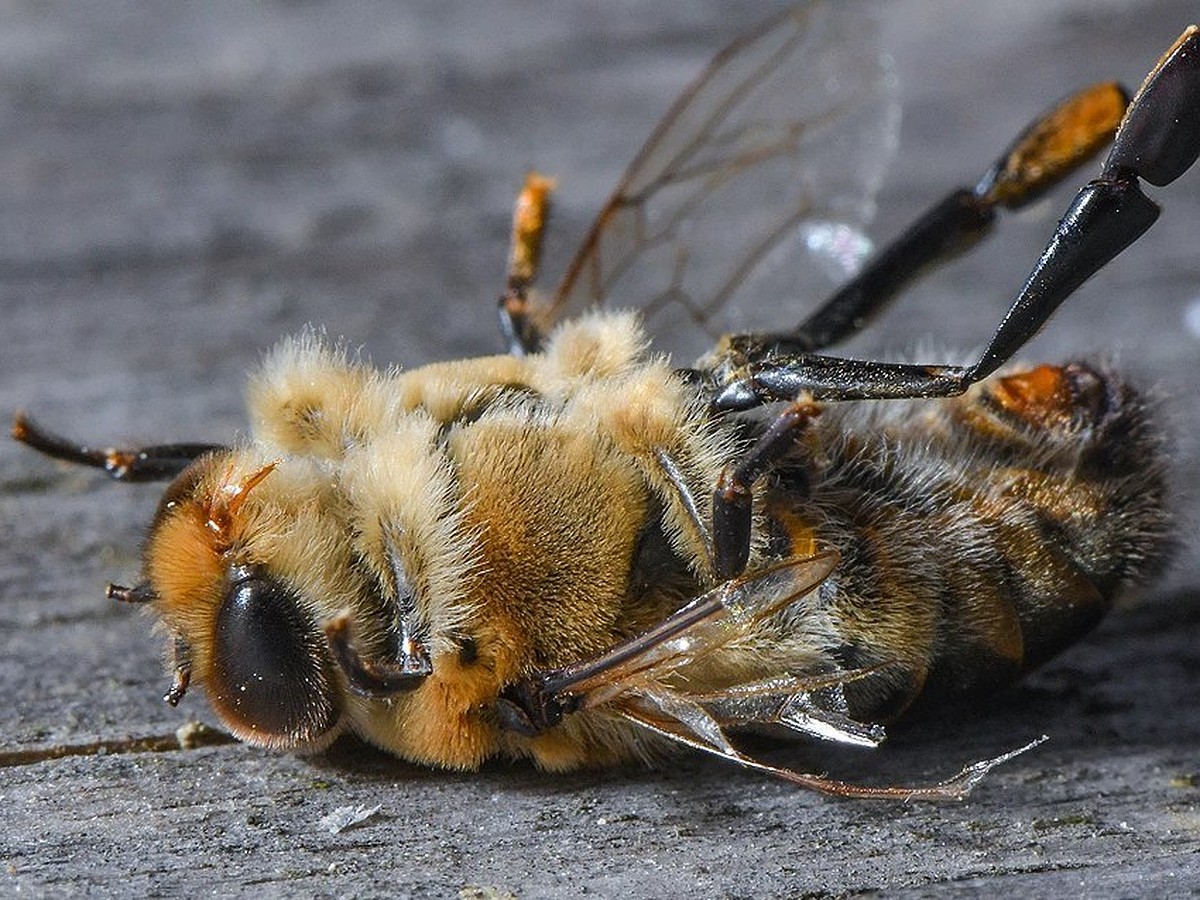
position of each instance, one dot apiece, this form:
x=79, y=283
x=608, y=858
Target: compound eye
x=271, y=676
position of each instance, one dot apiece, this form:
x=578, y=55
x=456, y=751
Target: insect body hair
x=980, y=536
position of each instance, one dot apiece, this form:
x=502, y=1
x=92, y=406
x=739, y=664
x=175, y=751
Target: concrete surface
x=181, y=184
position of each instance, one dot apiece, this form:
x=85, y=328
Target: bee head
x=234, y=562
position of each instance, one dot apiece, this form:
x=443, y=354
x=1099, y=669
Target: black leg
x=733, y=498
x=521, y=333
x=155, y=463
x=530, y=707
x=377, y=677
x=1159, y=139
x=1052, y=146
x=181, y=676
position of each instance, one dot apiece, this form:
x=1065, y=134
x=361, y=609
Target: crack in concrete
x=189, y=737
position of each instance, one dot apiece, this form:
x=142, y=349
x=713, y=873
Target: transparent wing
x=680, y=719
x=770, y=160
x=722, y=615
x=634, y=680
x=811, y=704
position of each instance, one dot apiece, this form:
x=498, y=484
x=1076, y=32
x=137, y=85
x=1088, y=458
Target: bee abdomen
x=1093, y=486
x=982, y=536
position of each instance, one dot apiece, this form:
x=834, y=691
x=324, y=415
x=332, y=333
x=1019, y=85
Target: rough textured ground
x=182, y=184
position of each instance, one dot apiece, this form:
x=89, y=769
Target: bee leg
x=1159, y=139
x=154, y=463
x=532, y=706
x=370, y=677
x=1049, y=148
x=181, y=654
x=532, y=209
x=733, y=498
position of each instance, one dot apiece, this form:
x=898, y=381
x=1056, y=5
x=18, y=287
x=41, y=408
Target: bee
x=581, y=553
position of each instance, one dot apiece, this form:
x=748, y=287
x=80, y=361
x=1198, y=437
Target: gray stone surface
x=181, y=184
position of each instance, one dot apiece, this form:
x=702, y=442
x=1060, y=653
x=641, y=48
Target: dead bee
x=578, y=554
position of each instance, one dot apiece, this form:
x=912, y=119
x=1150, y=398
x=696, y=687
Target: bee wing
x=813, y=705
x=632, y=681
x=679, y=718
x=712, y=620
x=775, y=151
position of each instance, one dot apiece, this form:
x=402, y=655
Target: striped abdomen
x=981, y=535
